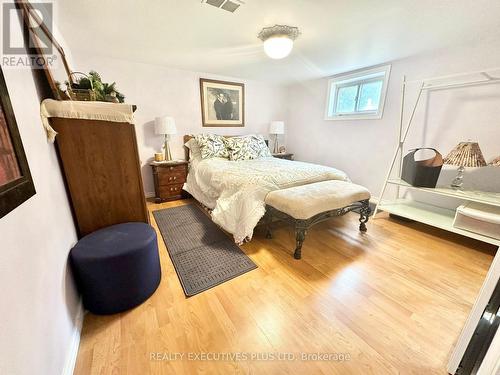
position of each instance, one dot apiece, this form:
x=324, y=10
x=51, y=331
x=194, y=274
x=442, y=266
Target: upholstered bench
x=116, y=268
x=310, y=204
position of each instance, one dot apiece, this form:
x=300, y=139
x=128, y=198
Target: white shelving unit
x=441, y=217
x=431, y=215
x=485, y=197
x=436, y=216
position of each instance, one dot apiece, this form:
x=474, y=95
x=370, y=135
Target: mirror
x=49, y=54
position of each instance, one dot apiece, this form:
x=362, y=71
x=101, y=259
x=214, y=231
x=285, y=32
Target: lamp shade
x=466, y=154
x=165, y=125
x=277, y=127
x=495, y=162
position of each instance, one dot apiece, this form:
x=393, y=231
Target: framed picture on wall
x=16, y=184
x=222, y=103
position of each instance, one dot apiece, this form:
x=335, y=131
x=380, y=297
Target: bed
x=235, y=191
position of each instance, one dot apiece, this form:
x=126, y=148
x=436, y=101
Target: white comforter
x=236, y=190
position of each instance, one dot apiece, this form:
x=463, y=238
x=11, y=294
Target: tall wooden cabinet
x=101, y=167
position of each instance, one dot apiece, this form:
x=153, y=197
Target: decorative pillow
x=212, y=146
x=264, y=151
x=242, y=148
x=247, y=147
x=194, y=148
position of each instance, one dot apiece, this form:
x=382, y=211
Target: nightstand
x=287, y=156
x=169, y=177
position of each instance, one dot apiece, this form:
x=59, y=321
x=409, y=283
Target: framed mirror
x=16, y=184
x=51, y=57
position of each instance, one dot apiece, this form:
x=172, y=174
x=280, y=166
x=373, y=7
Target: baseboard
x=72, y=353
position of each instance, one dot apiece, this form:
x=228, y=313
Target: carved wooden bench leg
x=300, y=235
x=364, y=214
x=303, y=225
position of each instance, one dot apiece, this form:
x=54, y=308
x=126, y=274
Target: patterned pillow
x=264, y=151
x=247, y=147
x=242, y=148
x=212, y=146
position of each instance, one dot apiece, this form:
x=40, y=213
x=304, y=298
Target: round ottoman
x=116, y=268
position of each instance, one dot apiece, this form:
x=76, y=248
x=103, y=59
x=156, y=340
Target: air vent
x=229, y=5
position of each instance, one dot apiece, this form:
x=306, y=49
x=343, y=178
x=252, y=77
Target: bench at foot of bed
x=307, y=205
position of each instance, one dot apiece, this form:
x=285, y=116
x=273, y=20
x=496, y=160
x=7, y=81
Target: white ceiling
x=337, y=35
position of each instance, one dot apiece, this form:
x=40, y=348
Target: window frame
x=357, y=78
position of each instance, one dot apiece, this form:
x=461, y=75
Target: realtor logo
x=25, y=34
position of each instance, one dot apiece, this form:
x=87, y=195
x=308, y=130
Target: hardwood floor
x=393, y=300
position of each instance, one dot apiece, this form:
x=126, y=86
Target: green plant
x=104, y=91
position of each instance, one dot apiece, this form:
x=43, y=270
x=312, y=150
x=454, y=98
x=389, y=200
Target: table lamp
x=166, y=126
x=276, y=127
x=465, y=154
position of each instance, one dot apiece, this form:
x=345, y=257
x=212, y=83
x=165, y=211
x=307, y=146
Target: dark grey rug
x=202, y=254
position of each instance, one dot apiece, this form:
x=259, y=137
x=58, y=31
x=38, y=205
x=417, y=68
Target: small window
x=358, y=96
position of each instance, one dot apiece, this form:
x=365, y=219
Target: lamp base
x=168, y=154
x=457, y=183
x=276, y=149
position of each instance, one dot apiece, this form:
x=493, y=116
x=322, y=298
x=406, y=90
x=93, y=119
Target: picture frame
x=222, y=103
x=16, y=183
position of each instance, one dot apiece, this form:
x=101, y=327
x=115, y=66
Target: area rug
x=202, y=254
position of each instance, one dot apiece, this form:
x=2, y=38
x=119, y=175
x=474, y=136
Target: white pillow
x=194, y=149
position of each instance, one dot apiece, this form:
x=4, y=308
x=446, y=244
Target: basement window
x=359, y=95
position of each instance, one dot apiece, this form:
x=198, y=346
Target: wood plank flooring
x=390, y=301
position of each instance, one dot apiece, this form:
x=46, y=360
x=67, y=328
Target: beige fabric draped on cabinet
x=114, y=112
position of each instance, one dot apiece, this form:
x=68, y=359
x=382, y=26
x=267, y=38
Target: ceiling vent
x=229, y=5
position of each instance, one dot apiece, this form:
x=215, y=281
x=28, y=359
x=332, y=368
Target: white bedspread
x=236, y=190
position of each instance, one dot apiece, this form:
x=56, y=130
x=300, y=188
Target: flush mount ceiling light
x=278, y=40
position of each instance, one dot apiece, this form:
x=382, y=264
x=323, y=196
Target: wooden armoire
x=101, y=167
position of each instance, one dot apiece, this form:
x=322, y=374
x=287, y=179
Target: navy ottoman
x=116, y=268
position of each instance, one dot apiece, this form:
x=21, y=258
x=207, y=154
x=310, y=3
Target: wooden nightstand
x=287, y=156
x=169, y=179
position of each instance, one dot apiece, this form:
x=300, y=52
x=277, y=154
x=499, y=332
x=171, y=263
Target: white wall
x=364, y=148
x=39, y=302
x=39, y=310
x=158, y=91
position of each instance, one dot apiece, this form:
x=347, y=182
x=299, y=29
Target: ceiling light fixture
x=278, y=40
